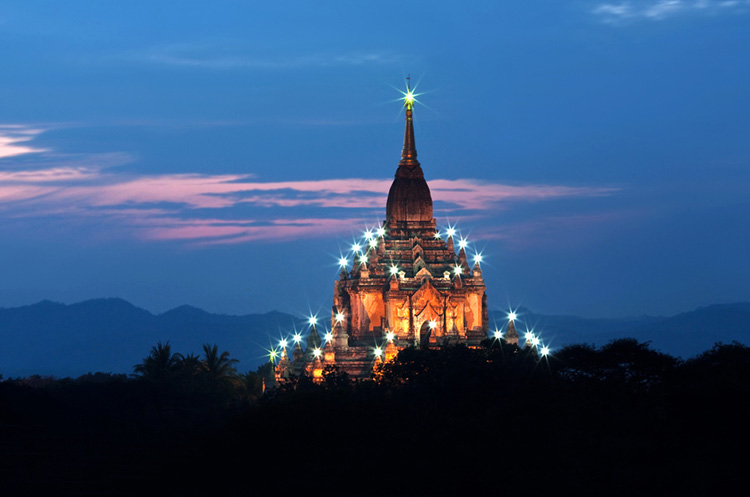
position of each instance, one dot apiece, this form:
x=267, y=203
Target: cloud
x=212, y=56
x=13, y=135
x=481, y=195
x=69, y=191
x=221, y=232
x=140, y=203
x=656, y=10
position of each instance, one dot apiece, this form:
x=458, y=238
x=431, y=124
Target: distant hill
x=112, y=335
x=683, y=335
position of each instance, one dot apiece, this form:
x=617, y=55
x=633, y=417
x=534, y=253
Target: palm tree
x=190, y=363
x=188, y=367
x=160, y=363
x=218, y=366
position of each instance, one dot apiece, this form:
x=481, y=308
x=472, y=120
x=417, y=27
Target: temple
x=405, y=286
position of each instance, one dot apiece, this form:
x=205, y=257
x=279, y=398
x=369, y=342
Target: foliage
x=218, y=366
x=160, y=364
x=616, y=419
x=622, y=362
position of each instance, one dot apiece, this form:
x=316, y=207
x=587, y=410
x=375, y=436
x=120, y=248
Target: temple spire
x=511, y=335
x=409, y=198
x=409, y=152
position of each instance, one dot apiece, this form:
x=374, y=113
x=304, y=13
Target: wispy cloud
x=472, y=194
x=13, y=138
x=213, y=56
x=228, y=208
x=656, y=10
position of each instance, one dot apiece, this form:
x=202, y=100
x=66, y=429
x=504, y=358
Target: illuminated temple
x=405, y=285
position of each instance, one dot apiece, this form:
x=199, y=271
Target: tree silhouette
x=218, y=366
x=625, y=362
x=160, y=364
x=190, y=363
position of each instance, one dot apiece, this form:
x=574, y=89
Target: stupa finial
x=409, y=152
x=409, y=95
x=511, y=335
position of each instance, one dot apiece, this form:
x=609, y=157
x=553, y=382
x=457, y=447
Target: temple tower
x=406, y=285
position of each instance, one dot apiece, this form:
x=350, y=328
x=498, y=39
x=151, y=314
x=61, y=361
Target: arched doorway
x=425, y=333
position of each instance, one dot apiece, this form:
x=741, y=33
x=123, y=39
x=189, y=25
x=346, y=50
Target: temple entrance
x=425, y=332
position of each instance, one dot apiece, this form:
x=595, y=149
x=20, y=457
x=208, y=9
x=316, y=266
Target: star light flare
x=409, y=97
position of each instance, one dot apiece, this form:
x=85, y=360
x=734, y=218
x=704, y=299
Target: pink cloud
x=223, y=191
x=474, y=195
x=55, y=174
x=138, y=204
x=216, y=231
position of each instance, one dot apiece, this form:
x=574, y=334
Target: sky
x=225, y=155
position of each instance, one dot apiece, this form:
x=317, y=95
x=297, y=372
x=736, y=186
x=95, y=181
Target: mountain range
x=683, y=335
x=112, y=335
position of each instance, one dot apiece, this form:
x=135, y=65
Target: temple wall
x=373, y=311
x=474, y=311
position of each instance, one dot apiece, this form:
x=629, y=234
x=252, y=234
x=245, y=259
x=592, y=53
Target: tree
x=160, y=363
x=625, y=361
x=218, y=366
x=333, y=378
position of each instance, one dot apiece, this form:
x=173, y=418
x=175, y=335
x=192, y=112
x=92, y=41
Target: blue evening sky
x=225, y=154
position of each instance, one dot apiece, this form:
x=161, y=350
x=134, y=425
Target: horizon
x=595, y=154
x=305, y=317
x=110, y=335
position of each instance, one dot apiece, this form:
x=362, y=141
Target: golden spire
x=409, y=152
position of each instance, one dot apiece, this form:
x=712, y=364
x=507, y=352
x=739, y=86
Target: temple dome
x=409, y=198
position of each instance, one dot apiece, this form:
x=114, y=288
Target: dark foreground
x=619, y=420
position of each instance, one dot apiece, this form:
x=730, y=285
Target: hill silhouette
x=683, y=335
x=111, y=334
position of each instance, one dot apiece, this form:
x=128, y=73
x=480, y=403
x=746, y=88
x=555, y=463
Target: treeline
x=619, y=419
